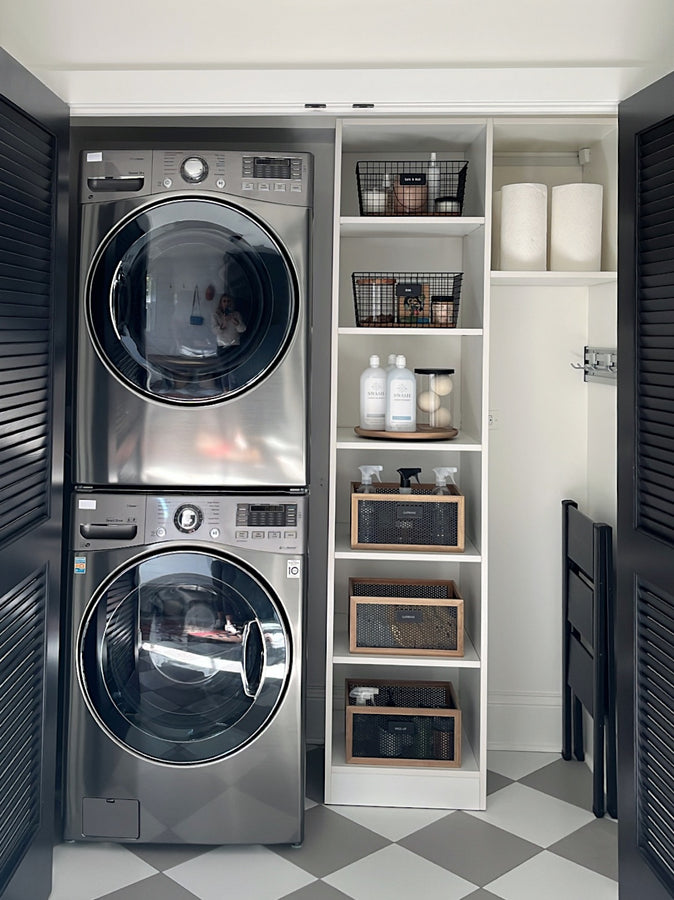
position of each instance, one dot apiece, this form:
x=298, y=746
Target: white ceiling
x=121, y=52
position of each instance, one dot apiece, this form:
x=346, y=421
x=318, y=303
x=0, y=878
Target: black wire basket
x=406, y=299
x=411, y=188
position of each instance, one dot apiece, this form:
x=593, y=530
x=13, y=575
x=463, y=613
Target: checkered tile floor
x=537, y=838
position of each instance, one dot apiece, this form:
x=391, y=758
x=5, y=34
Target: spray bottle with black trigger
x=405, y=475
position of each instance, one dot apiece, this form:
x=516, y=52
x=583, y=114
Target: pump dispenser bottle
x=401, y=398
x=405, y=475
x=373, y=396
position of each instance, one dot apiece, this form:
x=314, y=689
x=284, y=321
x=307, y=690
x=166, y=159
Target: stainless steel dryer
x=193, y=319
x=184, y=719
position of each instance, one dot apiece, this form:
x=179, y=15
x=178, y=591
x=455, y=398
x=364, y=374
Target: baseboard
x=524, y=721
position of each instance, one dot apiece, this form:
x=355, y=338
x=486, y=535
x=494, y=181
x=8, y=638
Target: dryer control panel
x=275, y=524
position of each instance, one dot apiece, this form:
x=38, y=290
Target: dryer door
x=191, y=301
x=183, y=657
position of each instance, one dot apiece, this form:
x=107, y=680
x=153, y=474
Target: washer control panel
x=269, y=523
x=276, y=178
x=283, y=178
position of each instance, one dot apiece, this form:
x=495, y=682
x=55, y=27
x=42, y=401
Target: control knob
x=188, y=518
x=194, y=169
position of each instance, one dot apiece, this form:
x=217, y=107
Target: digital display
x=267, y=515
x=271, y=167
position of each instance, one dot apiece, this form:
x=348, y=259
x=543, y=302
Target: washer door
x=191, y=301
x=183, y=657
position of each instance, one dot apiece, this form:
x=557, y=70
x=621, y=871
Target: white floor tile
x=85, y=871
x=393, y=824
x=554, y=878
x=531, y=815
x=396, y=874
x=518, y=763
x=252, y=872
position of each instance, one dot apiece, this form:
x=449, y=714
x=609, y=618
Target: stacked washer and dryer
x=184, y=715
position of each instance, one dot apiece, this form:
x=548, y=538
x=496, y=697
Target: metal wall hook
x=599, y=364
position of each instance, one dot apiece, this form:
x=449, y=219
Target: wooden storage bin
x=405, y=617
x=423, y=728
x=384, y=519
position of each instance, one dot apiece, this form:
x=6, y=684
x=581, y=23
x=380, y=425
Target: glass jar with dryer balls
x=435, y=399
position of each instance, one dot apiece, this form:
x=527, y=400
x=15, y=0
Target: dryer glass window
x=184, y=657
x=191, y=301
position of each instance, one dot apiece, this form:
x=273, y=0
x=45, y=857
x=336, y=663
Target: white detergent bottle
x=373, y=397
x=401, y=398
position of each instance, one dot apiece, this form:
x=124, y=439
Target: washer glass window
x=191, y=301
x=184, y=657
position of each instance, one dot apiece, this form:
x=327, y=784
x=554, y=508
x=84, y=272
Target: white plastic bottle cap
x=374, y=361
x=401, y=361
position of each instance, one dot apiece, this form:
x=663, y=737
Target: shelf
x=343, y=550
x=348, y=440
x=553, y=279
x=409, y=226
x=341, y=656
x=408, y=786
x=413, y=332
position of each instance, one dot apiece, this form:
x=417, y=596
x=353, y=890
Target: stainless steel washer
x=184, y=719
x=192, y=332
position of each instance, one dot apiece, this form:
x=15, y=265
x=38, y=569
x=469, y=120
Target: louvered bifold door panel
x=655, y=327
x=27, y=163
x=655, y=728
x=22, y=651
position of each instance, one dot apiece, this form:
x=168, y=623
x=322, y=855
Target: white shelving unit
x=414, y=244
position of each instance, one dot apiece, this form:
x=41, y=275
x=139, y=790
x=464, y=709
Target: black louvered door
x=645, y=551
x=33, y=259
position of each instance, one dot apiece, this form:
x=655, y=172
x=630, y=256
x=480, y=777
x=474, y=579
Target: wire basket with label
x=406, y=299
x=431, y=187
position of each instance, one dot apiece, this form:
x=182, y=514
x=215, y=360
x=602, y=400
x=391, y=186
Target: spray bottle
x=366, y=473
x=405, y=475
x=442, y=475
x=363, y=695
x=367, y=511
x=443, y=531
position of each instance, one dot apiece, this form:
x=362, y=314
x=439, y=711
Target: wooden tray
x=423, y=434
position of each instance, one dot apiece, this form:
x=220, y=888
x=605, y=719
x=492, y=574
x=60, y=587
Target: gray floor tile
x=165, y=856
x=475, y=850
x=594, y=846
x=482, y=895
x=158, y=887
x=317, y=890
x=331, y=842
x=568, y=780
x=495, y=782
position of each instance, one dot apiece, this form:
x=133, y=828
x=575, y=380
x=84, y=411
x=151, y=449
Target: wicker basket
x=412, y=723
x=405, y=617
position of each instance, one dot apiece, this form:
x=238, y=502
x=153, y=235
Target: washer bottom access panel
x=185, y=718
